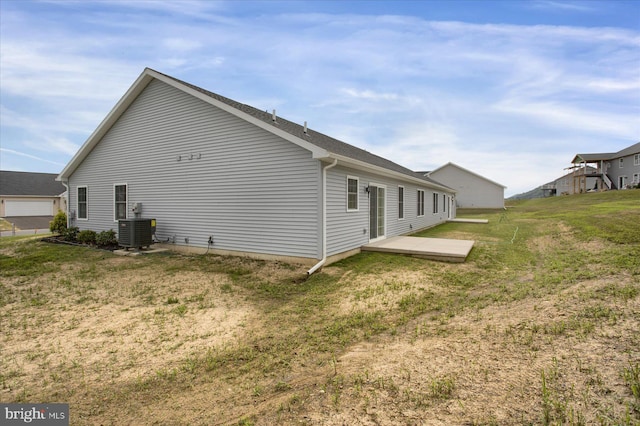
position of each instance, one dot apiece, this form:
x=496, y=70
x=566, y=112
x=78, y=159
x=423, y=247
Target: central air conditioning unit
x=136, y=232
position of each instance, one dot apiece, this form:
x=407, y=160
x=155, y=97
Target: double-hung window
x=636, y=160
x=401, y=202
x=352, y=194
x=436, y=197
x=120, y=201
x=83, y=210
x=420, y=202
x=621, y=163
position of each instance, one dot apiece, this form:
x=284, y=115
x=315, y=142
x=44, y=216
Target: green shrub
x=87, y=236
x=70, y=234
x=59, y=223
x=106, y=238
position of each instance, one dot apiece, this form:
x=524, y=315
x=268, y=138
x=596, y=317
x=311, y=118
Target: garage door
x=28, y=208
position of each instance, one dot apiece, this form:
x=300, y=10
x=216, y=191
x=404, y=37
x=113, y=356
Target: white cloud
x=610, y=85
x=567, y=117
x=54, y=144
x=370, y=95
x=181, y=44
x=562, y=5
x=419, y=92
x=30, y=156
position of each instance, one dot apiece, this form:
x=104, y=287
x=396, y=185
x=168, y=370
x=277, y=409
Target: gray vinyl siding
x=472, y=191
x=350, y=230
x=628, y=168
x=249, y=189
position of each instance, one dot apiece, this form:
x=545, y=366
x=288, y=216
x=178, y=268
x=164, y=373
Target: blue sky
x=509, y=89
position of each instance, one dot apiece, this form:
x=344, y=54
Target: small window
x=83, y=211
x=621, y=162
x=636, y=178
x=420, y=202
x=120, y=199
x=401, y=202
x=636, y=160
x=435, y=202
x=444, y=203
x=352, y=194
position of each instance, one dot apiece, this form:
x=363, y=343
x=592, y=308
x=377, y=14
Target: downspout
x=66, y=185
x=324, y=218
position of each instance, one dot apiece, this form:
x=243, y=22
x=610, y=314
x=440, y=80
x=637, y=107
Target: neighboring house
x=568, y=184
x=617, y=170
x=30, y=194
x=473, y=191
x=208, y=168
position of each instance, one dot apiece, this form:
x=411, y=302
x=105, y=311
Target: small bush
x=107, y=238
x=87, y=236
x=70, y=234
x=59, y=223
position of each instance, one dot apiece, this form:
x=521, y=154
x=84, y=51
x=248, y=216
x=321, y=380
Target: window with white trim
x=636, y=160
x=636, y=178
x=82, y=198
x=352, y=193
x=436, y=197
x=401, y=202
x=120, y=201
x=420, y=202
x=444, y=203
x=621, y=163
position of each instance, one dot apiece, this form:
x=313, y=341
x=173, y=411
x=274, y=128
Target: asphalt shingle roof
x=316, y=138
x=28, y=183
x=633, y=149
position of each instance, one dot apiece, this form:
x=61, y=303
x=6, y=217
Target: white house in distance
x=221, y=175
x=30, y=194
x=472, y=190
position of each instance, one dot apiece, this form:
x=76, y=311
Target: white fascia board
x=316, y=152
x=29, y=196
x=136, y=88
x=361, y=165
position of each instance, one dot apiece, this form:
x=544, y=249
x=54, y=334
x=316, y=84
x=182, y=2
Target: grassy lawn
x=539, y=326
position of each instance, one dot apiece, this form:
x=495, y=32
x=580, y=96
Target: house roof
x=590, y=158
x=30, y=184
x=320, y=145
x=448, y=165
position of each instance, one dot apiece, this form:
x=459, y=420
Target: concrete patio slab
x=442, y=249
x=462, y=220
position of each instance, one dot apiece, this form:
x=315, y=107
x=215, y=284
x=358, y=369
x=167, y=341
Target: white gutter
x=324, y=218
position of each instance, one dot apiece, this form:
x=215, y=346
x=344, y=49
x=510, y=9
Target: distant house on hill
x=567, y=184
x=30, y=194
x=473, y=191
x=617, y=170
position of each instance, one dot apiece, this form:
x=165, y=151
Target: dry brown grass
x=540, y=331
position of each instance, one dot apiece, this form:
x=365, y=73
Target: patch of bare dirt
x=508, y=362
x=144, y=324
x=372, y=292
x=493, y=360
